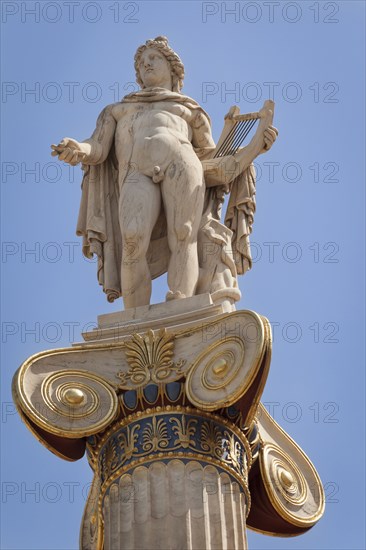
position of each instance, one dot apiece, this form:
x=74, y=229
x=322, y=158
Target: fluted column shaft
x=174, y=506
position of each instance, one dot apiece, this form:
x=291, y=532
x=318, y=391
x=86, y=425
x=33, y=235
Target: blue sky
x=308, y=239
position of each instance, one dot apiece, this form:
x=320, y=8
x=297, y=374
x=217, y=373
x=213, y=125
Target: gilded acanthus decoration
x=150, y=358
x=164, y=432
x=127, y=441
x=212, y=439
x=184, y=431
x=155, y=435
x=110, y=457
x=233, y=450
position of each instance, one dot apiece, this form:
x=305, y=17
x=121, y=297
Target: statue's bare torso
x=154, y=145
x=156, y=132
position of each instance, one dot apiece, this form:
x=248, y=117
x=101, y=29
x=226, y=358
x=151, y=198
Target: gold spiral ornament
x=70, y=398
x=289, y=481
x=73, y=404
x=217, y=378
x=295, y=497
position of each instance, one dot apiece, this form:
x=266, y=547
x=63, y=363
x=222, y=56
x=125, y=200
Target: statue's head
x=175, y=65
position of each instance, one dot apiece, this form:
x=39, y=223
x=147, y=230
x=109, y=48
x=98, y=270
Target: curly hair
x=160, y=43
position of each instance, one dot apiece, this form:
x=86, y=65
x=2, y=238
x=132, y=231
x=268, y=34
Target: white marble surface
x=175, y=506
x=143, y=215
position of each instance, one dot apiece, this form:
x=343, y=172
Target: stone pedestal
x=165, y=400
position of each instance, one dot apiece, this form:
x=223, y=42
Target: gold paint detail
x=220, y=367
x=155, y=436
x=234, y=453
x=168, y=409
x=218, y=378
x=211, y=441
x=56, y=386
x=215, y=441
x=73, y=396
x=127, y=443
x=265, y=362
x=70, y=403
x=294, y=490
x=308, y=513
x=184, y=431
x=150, y=358
x=286, y=479
x=296, y=499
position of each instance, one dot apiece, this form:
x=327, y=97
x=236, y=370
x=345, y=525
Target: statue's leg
x=139, y=207
x=183, y=191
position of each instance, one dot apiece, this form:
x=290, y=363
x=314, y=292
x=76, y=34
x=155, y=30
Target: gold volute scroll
x=225, y=369
x=290, y=480
x=69, y=403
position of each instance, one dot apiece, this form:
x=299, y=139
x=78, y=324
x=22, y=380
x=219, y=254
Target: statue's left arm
x=229, y=160
x=270, y=136
x=202, y=139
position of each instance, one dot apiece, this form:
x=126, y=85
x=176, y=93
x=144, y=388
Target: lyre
x=235, y=131
x=229, y=159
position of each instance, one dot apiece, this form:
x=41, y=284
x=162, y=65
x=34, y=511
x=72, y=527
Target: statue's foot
x=178, y=295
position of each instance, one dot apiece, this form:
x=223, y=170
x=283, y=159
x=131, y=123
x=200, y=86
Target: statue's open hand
x=69, y=150
x=270, y=136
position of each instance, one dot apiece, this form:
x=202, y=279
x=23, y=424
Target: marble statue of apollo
x=143, y=192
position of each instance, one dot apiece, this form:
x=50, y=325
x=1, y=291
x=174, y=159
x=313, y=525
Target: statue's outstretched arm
x=93, y=150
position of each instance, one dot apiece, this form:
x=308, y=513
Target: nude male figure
x=157, y=139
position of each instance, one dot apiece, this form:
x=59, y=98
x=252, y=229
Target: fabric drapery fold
x=240, y=217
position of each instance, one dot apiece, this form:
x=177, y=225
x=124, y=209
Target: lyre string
x=244, y=134
x=226, y=141
x=240, y=129
x=235, y=137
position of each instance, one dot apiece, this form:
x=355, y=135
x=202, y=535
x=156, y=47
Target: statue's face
x=154, y=69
